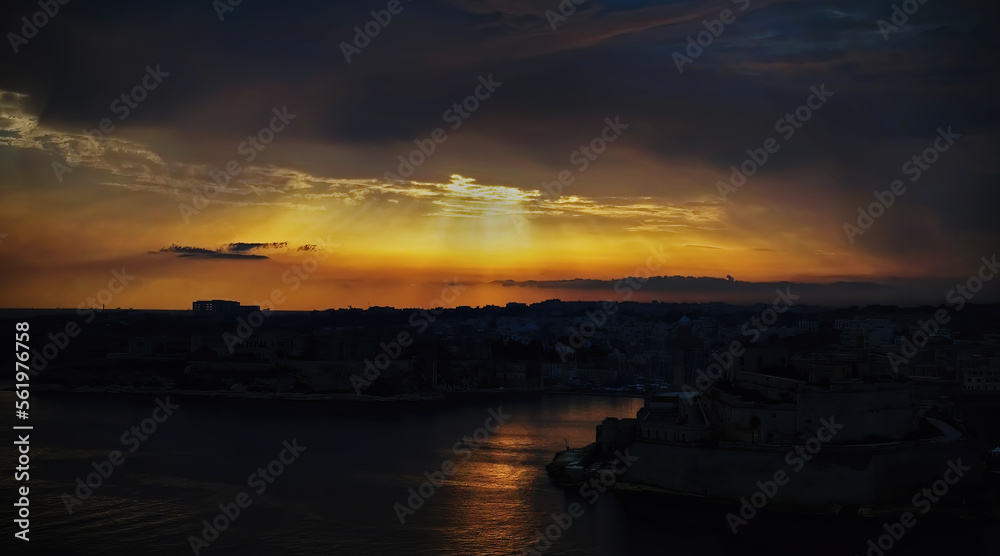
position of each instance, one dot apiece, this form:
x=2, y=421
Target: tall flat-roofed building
x=216, y=307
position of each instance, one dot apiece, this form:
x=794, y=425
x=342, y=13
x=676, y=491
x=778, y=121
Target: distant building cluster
x=554, y=344
x=222, y=308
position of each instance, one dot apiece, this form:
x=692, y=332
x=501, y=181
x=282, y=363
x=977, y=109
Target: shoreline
x=427, y=397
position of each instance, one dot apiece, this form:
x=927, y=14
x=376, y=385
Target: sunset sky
x=475, y=210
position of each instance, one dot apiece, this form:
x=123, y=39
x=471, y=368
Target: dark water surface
x=337, y=496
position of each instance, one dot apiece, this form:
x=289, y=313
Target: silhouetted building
x=216, y=307
x=222, y=308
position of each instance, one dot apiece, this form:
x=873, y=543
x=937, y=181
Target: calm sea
x=338, y=496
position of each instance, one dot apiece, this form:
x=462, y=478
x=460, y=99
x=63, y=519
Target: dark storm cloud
x=239, y=250
x=244, y=247
x=608, y=56
x=689, y=284
x=225, y=252
x=908, y=292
